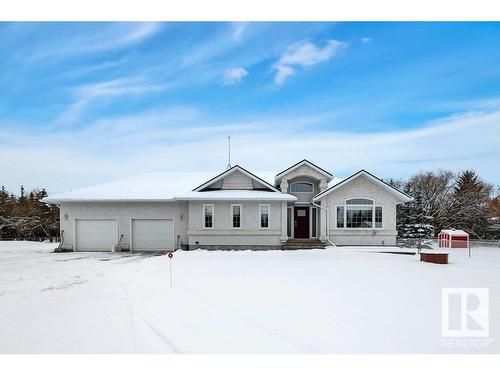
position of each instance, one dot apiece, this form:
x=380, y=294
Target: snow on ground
x=310, y=301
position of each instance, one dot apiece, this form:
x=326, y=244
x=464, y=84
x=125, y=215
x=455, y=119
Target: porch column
x=284, y=221
x=323, y=236
x=284, y=185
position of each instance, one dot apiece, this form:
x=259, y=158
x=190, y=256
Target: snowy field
x=310, y=301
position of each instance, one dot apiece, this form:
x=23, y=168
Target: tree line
x=444, y=200
x=26, y=217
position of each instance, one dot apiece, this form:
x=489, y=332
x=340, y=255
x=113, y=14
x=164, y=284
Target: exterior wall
x=224, y=236
x=362, y=187
x=124, y=212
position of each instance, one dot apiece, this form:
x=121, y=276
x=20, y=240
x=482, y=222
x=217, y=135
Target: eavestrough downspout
x=327, y=222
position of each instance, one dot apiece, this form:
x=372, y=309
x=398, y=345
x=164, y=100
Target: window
x=208, y=215
x=264, y=215
x=378, y=217
x=340, y=216
x=301, y=187
x=289, y=222
x=359, y=201
x=359, y=217
x=313, y=221
x=359, y=213
x=236, y=215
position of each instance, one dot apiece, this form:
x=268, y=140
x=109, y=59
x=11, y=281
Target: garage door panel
x=152, y=234
x=95, y=234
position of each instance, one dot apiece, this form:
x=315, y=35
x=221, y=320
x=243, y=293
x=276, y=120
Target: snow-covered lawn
x=310, y=301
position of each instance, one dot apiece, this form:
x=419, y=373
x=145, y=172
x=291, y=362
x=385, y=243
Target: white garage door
x=95, y=234
x=152, y=234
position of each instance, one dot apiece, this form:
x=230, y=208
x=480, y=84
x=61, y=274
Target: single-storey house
x=303, y=207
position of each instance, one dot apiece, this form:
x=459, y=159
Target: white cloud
x=234, y=75
x=87, y=94
x=181, y=138
x=117, y=35
x=366, y=40
x=238, y=29
x=304, y=54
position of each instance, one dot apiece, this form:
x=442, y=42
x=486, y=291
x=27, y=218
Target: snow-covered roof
x=308, y=163
x=457, y=232
x=402, y=196
x=232, y=170
x=150, y=187
x=241, y=195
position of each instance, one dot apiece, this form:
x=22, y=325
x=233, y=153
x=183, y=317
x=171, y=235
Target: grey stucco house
x=302, y=207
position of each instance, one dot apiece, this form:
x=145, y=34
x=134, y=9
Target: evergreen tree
x=469, y=207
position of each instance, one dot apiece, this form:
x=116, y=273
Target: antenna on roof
x=229, y=153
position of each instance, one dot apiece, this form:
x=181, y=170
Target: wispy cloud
x=304, y=54
x=111, y=37
x=233, y=75
x=365, y=40
x=87, y=94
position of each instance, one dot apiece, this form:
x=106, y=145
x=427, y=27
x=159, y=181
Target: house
x=233, y=210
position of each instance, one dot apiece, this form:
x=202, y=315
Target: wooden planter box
x=434, y=257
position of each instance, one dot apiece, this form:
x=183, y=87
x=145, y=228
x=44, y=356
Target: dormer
x=236, y=178
x=303, y=179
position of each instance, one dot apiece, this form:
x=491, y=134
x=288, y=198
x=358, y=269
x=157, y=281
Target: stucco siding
x=124, y=213
x=223, y=234
x=362, y=187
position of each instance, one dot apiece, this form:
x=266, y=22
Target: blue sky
x=83, y=103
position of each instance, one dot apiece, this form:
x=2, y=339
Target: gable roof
x=309, y=164
x=403, y=196
x=232, y=170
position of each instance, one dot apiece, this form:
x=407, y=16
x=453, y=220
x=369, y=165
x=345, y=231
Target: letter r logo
x=465, y=312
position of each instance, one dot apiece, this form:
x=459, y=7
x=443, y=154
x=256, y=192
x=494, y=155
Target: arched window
x=360, y=213
x=358, y=201
x=301, y=187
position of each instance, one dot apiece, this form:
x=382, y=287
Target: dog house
x=453, y=238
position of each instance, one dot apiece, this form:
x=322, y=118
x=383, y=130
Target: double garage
x=104, y=234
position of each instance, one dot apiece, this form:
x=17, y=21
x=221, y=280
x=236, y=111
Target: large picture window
x=236, y=215
x=359, y=217
x=264, y=215
x=359, y=213
x=208, y=216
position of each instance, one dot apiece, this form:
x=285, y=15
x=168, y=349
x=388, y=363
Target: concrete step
x=299, y=243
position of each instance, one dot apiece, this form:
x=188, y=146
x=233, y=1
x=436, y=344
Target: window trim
x=302, y=182
x=203, y=216
x=345, y=206
x=268, y=216
x=231, y=215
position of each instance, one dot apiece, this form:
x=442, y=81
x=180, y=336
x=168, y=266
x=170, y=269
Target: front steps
x=303, y=243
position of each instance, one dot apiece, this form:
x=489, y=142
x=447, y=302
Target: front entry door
x=301, y=223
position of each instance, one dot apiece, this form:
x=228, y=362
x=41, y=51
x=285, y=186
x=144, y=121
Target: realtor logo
x=465, y=312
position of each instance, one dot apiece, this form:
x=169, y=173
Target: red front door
x=301, y=222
